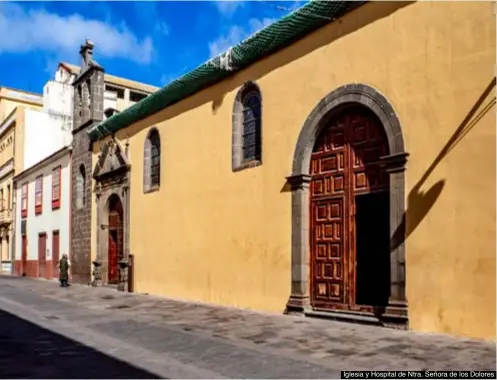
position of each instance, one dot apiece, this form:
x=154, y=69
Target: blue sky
x=151, y=42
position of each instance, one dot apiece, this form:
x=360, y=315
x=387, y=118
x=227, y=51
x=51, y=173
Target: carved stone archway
x=394, y=164
x=112, y=177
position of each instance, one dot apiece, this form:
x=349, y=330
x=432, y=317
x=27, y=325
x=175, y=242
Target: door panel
x=55, y=253
x=329, y=269
x=115, y=238
x=24, y=255
x=42, y=254
x=113, y=272
x=366, y=144
x=329, y=218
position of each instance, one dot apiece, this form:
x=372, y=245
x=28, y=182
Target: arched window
x=151, y=169
x=247, y=128
x=81, y=187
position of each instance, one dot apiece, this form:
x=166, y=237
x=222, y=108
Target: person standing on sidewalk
x=64, y=271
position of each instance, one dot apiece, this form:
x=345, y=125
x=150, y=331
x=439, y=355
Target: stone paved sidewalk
x=148, y=321
x=28, y=351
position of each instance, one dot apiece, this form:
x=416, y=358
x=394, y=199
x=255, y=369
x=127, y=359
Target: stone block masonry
x=87, y=113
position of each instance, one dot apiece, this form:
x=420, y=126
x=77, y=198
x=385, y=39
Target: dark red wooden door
x=42, y=254
x=55, y=253
x=115, y=239
x=113, y=262
x=344, y=163
x=24, y=255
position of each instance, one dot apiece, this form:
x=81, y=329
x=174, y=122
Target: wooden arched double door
x=349, y=216
x=115, y=247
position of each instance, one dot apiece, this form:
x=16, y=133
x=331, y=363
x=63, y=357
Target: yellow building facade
x=217, y=231
x=13, y=102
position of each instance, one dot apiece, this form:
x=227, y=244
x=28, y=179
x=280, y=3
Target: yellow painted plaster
x=11, y=98
x=7, y=145
x=213, y=235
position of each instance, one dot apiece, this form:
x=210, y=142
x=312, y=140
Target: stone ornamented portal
x=112, y=176
x=350, y=145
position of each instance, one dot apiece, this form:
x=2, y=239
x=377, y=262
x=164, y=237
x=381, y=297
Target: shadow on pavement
x=28, y=351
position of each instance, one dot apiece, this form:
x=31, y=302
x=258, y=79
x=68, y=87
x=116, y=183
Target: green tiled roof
x=276, y=36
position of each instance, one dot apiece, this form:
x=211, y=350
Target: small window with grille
x=251, y=126
x=247, y=128
x=152, y=161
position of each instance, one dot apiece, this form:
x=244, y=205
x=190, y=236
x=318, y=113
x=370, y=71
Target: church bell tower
x=88, y=111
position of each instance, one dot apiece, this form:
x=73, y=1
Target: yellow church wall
x=213, y=235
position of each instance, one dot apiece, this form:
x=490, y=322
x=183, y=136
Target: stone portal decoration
x=112, y=177
x=395, y=164
x=112, y=161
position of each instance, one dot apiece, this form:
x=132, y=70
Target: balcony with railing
x=5, y=212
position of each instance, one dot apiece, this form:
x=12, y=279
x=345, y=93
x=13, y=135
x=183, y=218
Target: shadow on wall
x=359, y=18
x=28, y=351
x=419, y=202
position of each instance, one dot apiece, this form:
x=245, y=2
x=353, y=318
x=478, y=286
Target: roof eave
x=221, y=65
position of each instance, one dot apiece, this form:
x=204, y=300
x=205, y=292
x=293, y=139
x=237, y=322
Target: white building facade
x=42, y=211
x=48, y=130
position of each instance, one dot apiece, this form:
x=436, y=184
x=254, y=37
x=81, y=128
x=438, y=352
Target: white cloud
x=237, y=34
x=228, y=8
x=30, y=30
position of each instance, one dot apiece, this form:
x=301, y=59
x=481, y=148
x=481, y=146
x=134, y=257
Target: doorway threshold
x=345, y=316
x=384, y=320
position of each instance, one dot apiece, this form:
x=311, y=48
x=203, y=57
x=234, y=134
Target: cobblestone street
x=141, y=336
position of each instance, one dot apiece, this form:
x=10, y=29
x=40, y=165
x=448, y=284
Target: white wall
x=62, y=75
x=44, y=134
x=49, y=220
x=110, y=100
x=58, y=98
x=48, y=130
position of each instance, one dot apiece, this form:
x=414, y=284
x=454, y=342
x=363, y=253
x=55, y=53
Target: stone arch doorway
x=115, y=239
x=112, y=195
x=328, y=178
x=349, y=208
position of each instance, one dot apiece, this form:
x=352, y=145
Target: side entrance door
x=42, y=254
x=55, y=253
x=24, y=255
x=113, y=258
x=115, y=238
